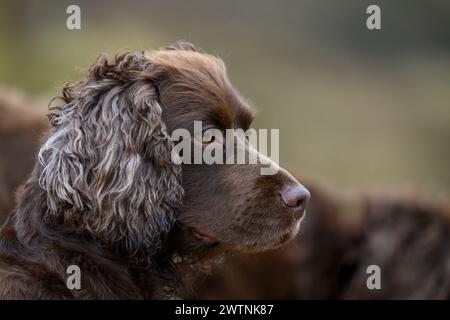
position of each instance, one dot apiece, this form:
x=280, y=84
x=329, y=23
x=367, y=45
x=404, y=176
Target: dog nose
x=295, y=196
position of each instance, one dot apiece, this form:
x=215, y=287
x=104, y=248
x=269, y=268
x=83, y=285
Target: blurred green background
x=357, y=108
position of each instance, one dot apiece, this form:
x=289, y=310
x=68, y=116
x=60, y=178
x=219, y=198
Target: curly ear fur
x=106, y=165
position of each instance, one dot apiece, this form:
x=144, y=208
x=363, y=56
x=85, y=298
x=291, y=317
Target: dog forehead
x=200, y=81
x=188, y=61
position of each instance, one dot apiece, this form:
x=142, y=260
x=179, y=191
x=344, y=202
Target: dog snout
x=295, y=196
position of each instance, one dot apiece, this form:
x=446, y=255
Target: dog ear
x=106, y=165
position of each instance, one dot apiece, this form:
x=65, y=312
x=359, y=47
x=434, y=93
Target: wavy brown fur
x=111, y=152
x=103, y=193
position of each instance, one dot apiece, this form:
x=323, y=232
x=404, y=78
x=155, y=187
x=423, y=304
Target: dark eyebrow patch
x=245, y=116
x=222, y=115
x=243, y=113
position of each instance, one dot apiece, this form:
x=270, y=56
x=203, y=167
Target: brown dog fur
x=106, y=196
x=21, y=125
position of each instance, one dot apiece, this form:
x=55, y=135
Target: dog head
x=108, y=165
x=228, y=206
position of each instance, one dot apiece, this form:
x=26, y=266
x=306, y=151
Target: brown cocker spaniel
x=106, y=196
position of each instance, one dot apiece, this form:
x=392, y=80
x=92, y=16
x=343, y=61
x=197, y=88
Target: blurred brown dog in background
x=22, y=123
x=407, y=238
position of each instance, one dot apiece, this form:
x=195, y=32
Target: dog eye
x=207, y=136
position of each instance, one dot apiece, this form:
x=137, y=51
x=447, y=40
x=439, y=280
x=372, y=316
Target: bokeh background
x=359, y=109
